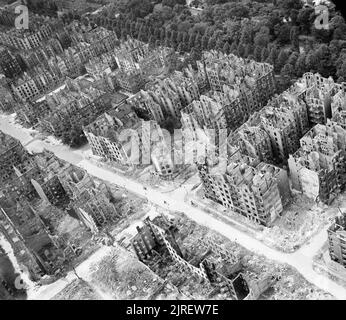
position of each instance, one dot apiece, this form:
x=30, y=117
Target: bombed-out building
x=120, y=136
x=253, y=141
x=166, y=97
x=208, y=114
x=107, y=134
x=338, y=105
x=337, y=240
x=35, y=201
x=158, y=242
x=13, y=156
x=9, y=64
x=254, y=80
x=38, y=81
x=318, y=97
x=274, y=132
x=246, y=186
x=318, y=168
x=27, y=39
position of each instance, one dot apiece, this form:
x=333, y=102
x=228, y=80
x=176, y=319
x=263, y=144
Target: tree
x=286, y=75
x=195, y=55
x=311, y=61
x=300, y=66
x=284, y=34
x=172, y=3
x=204, y=42
x=325, y=66
x=305, y=19
x=170, y=124
x=192, y=39
x=282, y=59
x=162, y=34
x=167, y=42
x=294, y=37
x=246, y=34
x=341, y=73
x=339, y=28
x=273, y=55
x=226, y=48
x=233, y=48
x=198, y=41
x=211, y=43
x=264, y=54
x=173, y=38
x=262, y=37
x=219, y=44
x=248, y=50
x=288, y=5
x=241, y=50
x=258, y=53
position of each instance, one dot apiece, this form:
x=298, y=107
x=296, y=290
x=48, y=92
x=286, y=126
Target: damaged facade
x=167, y=97
x=318, y=168
x=106, y=135
x=159, y=243
x=255, y=81
x=337, y=240
x=246, y=186
x=273, y=133
x=37, y=192
x=120, y=136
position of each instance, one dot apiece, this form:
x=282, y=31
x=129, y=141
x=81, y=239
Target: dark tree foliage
x=280, y=32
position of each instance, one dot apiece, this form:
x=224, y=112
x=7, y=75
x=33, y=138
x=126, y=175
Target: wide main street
x=301, y=260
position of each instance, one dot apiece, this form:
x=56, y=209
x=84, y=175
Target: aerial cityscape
x=172, y=150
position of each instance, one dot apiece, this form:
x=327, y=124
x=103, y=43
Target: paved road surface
x=301, y=260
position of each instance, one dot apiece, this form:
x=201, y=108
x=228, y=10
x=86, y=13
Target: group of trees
x=43, y=7
x=74, y=137
x=280, y=32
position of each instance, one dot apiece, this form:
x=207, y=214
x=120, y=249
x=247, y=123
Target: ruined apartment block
x=12, y=156
x=158, y=242
x=130, y=53
x=254, y=80
x=72, y=106
x=36, y=191
x=318, y=93
x=167, y=97
x=136, y=63
x=253, y=141
x=238, y=88
x=54, y=61
x=23, y=253
x=274, y=132
x=94, y=209
x=236, y=109
x=318, y=97
x=104, y=134
x=338, y=105
x=32, y=203
x=337, y=240
x=318, y=168
x=203, y=115
x=246, y=186
x=120, y=136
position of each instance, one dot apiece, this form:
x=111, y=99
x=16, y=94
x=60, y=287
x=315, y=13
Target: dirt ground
x=77, y=290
